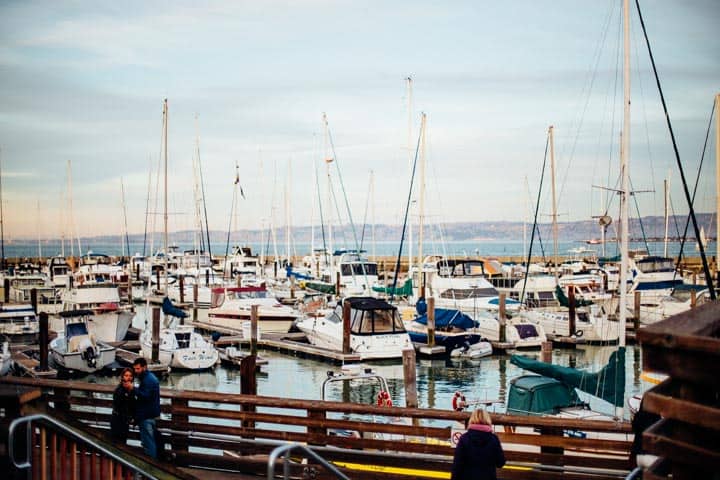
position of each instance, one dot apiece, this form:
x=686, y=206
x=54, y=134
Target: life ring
x=458, y=401
x=383, y=399
x=579, y=333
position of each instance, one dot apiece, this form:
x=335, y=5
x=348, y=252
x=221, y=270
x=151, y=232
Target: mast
x=2, y=228
x=421, y=205
x=328, y=160
x=165, y=198
x=38, y=230
x=625, y=173
x=666, y=185
x=554, y=202
x=124, y=207
x=411, y=160
x=717, y=182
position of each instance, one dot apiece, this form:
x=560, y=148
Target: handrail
x=282, y=450
x=635, y=474
x=61, y=426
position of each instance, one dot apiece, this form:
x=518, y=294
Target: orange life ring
x=383, y=399
x=458, y=401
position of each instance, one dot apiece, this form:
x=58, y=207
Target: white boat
x=654, y=309
x=19, y=323
x=520, y=332
x=472, y=351
x=5, y=359
x=230, y=306
x=78, y=350
x=181, y=347
x=461, y=284
x=591, y=323
x=241, y=261
x=376, y=330
x=454, y=330
x=357, y=274
x=95, y=290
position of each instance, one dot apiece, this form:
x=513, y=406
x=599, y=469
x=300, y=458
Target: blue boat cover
x=446, y=318
x=169, y=309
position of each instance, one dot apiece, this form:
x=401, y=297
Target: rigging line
x=593, y=77
x=320, y=208
x=640, y=221
x=342, y=186
x=706, y=267
x=147, y=206
x=537, y=208
x=697, y=180
x=367, y=206
x=405, y=219
x=227, y=243
x=202, y=191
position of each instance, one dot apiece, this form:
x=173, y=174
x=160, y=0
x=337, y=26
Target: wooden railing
x=229, y=431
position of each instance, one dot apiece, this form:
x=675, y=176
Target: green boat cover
x=565, y=301
x=404, y=291
x=608, y=383
x=534, y=394
x=322, y=287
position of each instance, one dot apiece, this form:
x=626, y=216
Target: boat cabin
x=539, y=395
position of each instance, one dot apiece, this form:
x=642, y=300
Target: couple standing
x=137, y=398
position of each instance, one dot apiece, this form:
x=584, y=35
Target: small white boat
x=230, y=306
x=19, y=323
x=376, y=329
x=5, y=359
x=181, y=347
x=472, y=351
x=78, y=350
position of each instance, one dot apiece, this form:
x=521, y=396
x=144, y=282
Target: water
x=459, y=248
x=437, y=380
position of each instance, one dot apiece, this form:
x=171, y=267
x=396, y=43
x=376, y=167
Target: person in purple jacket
x=478, y=452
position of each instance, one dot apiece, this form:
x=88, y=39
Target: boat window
x=183, y=339
x=462, y=293
x=358, y=269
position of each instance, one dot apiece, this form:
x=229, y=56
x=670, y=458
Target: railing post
x=155, y=355
x=179, y=443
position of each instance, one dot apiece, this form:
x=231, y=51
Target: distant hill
x=650, y=227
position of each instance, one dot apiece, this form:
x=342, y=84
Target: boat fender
x=578, y=333
x=458, y=401
x=383, y=399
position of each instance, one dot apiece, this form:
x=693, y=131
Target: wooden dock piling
x=155, y=356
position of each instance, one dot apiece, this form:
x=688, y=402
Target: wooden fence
x=236, y=433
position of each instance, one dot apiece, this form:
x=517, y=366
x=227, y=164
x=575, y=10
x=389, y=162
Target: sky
x=82, y=86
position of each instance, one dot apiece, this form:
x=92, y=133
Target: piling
x=253, y=329
x=195, y=302
x=346, y=327
x=157, y=278
x=182, y=288
x=207, y=278
x=6, y=290
x=546, y=352
x=248, y=384
x=337, y=284
x=409, y=378
x=43, y=340
x=501, y=317
x=431, y=322
x=155, y=335
x=137, y=272
x=571, y=310
x=239, y=281
x=130, y=290
x=693, y=299
x=33, y=299
x=636, y=312
x=292, y=287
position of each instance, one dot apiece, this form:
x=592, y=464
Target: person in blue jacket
x=478, y=453
x=147, y=406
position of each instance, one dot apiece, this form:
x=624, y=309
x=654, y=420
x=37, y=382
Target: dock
x=288, y=343
x=126, y=358
x=27, y=364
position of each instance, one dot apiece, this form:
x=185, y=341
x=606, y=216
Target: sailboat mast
x=421, y=205
x=2, y=228
x=625, y=173
x=165, y=198
x=666, y=184
x=717, y=183
x=411, y=160
x=124, y=207
x=554, y=201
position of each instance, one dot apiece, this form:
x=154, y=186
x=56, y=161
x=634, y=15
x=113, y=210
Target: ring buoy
x=383, y=399
x=458, y=401
x=579, y=333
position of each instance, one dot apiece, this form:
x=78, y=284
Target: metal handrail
x=284, y=449
x=635, y=474
x=64, y=428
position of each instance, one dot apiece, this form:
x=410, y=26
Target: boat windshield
x=463, y=293
x=358, y=269
x=374, y=322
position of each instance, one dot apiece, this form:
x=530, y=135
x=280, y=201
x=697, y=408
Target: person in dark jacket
x=478, y=453
x=123, y=407
x=146, y=390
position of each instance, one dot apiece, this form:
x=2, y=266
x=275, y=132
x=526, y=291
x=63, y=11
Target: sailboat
x=609, y=382
x=180, y=346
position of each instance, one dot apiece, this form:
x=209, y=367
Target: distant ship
x=593, y=241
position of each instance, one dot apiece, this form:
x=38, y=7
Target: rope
x=706, y=267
